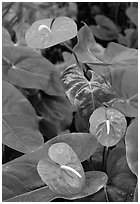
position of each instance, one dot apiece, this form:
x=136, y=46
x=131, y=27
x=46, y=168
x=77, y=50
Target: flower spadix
x=62, y=171
x=108, y=125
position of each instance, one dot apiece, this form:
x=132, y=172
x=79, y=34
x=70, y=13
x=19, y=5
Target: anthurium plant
x=99, y=161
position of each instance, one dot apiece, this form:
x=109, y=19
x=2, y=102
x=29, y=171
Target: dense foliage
x=70, y=102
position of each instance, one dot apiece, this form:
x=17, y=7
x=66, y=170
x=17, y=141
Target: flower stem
x=104, y=160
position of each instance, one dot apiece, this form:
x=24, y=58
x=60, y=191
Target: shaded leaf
x=132, y=13
x=117, y=195
x=54, y=110
x=20, y=31
x=20, y=124
x=105, y=29
x=6, y=38
x=119, y=172
x=25, y=68
x=86, y=95
x=116, y=162
x=130, y=39
x=96, y=159
x=107, y=125
x=62, y=171
x=49, y=32
x=124, y=181
x=131, y=142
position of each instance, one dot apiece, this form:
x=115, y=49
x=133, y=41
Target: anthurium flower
x=108, y=125
x=48, y=32
x=62, y=171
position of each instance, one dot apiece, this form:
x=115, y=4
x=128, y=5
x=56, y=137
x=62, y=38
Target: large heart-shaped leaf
x=20, y=125
x=86, y=95
x=25, y=68
x=86, y=47
x=48, y=32
x=78, y=142
x=125, y=83
x=105, y=29
x=131, y=141
x=108, y=125
x=62, y=172
x=95, y=180
x=115, y=56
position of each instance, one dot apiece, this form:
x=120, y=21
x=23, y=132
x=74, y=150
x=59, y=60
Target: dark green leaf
x=119, y=172
x=20, y=124
x=25, y=68
x=6, y=38
x=86, y=95
x=128, y=91
x=131, y=142
x=54, y=110
x=117, y=195
x=20, y=30
x=124, y=181
x=19, y=177
x=94, y=182
x=116, y=162
x=43, y=194
x=105, y=29
x=86, y=47
x=132, y=13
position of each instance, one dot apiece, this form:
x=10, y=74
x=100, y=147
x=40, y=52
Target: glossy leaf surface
x=49, y=32
x=131, y=142
x=125, y=83
x=62, y=172
x=25, y=68
x=115, y=56
x=105, y=28
x=20, y=124
x=107, y=125
x=86, y=95
x=93, y=183
x=19, y=177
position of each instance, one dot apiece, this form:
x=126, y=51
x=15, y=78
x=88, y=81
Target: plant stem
x=71, y=50
x=106, y=196
x=104, y=160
